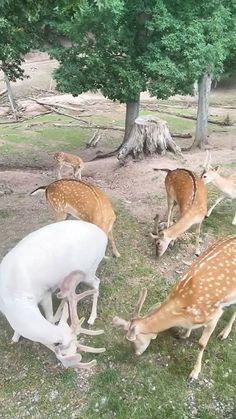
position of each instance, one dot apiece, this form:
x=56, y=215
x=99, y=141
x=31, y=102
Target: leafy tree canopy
x=125, y=47
x=20, y=23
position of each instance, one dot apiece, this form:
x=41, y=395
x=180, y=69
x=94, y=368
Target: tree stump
x=148, y=135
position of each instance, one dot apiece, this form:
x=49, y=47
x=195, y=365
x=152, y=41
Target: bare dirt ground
x=136, y=184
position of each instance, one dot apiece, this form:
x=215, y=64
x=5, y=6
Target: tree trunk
x=11, y=97
x=132, y=112
x=148, y=135
x=204, y=87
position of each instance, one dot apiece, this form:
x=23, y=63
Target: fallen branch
x=58, y=105
x=53, y=109
x=194, y=118
x=3, y=92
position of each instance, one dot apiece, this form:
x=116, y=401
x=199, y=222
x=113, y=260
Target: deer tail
x=41, y=188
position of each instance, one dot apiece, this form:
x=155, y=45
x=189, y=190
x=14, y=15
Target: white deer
x=45, y=260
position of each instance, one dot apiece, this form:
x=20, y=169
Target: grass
x=122, y=385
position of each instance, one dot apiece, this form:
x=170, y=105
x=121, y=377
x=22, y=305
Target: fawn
x=69, y=160
x=188, y=191
x=227, y=186
x=196, y=300
x=81, y=200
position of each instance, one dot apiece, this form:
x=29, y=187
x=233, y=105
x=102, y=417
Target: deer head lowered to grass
x=196, y=300
x=69, y=160
x=188, y=191
x=81, y=200
x=227, y=186
x=57, y=256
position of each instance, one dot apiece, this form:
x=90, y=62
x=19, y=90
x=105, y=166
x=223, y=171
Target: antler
x=142, y=297
x=207, y=163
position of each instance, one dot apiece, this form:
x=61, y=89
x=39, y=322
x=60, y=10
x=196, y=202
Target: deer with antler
x=196, y=300
x=69, y=160
x=226, y=185
x=188, y=191
x=81, y=200
x=57, y=256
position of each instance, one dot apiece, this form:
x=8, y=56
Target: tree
x=20, y=33
x=124, y=48
x=217, y=38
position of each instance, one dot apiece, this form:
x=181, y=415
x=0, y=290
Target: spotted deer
x=226, y=185
x=81, y=200
x=69, y=160
x=196, y=300
x=188, y=191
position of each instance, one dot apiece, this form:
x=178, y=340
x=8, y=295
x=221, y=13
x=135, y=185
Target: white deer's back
x=43, y=258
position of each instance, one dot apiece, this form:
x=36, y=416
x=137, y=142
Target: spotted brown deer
x=69, y=160
x=81, y=200
x=226, y=185
x=188, y=191
x=196, y=300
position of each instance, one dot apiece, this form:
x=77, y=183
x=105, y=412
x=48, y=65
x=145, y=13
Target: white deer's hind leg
x=47, y=307
x=95, y=284
x=15, y=338
x=221, y=197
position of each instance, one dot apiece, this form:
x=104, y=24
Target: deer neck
x=220, y=182
x=182, y=225
x=163, y=318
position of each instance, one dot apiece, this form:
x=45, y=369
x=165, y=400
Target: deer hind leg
x=95, y=284
x=59, y=176
x=47, y=307
x=227, y=329
x=15, y=338
x=171, y=204
x=113, y=245
x=219, y=199
x=77, y=172
x=207, y=332
x=197, y=243
x=60, y=215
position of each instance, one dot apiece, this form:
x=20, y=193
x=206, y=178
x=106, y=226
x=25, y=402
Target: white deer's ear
x=65, y=314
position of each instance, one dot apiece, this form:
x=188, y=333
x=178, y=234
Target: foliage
x=20, y=27
x=123, y=48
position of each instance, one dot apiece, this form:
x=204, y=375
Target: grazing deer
x=45, y=260
x=188, y=191
x=69, y=160
x=196, y=300
x=81, y=200
x=227, y=186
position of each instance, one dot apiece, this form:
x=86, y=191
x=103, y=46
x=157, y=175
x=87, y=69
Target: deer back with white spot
x=81, y=200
